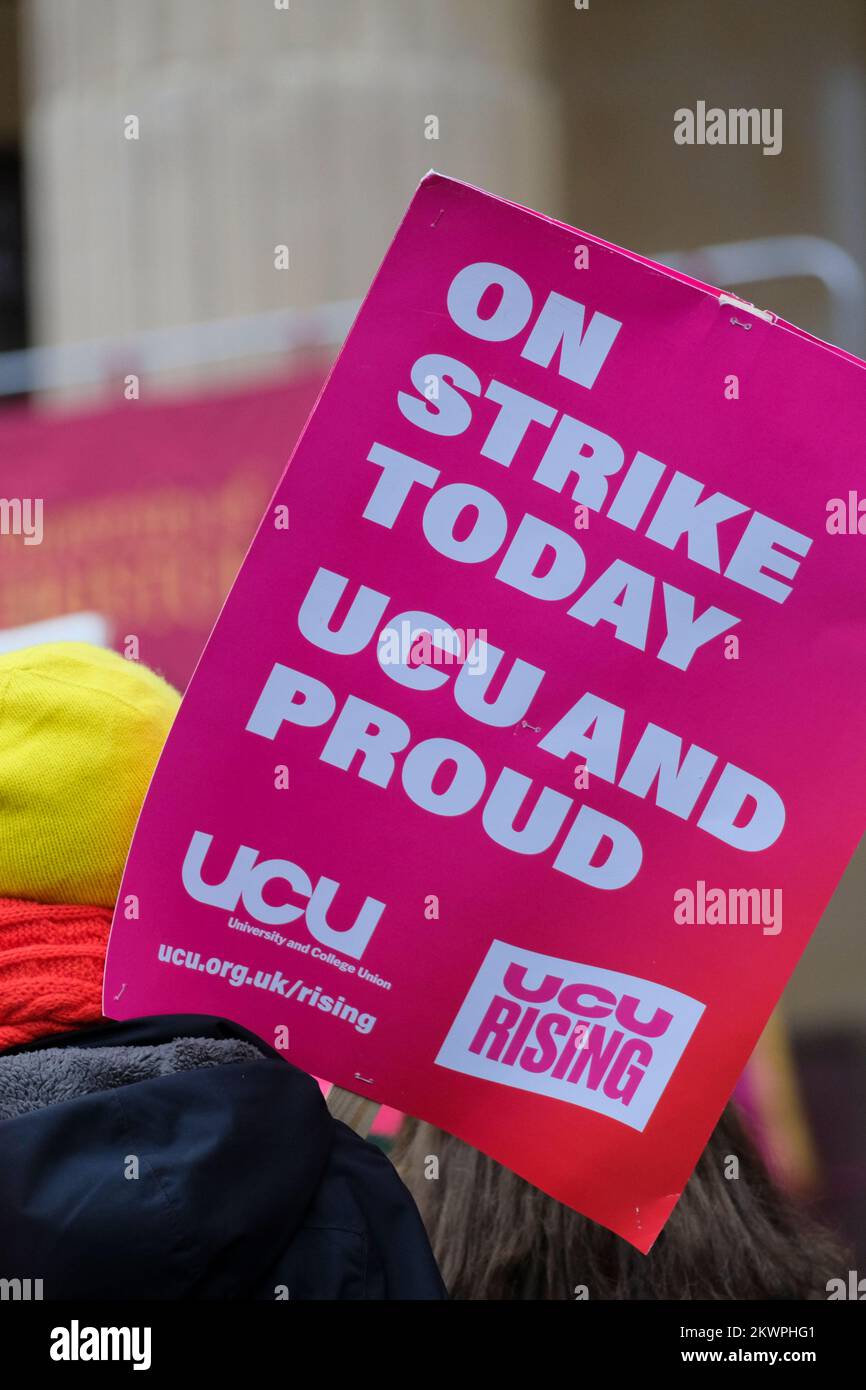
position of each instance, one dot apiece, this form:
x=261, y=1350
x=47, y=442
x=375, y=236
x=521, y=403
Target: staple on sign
x=766, y=314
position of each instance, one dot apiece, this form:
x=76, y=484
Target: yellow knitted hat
x=81, y=729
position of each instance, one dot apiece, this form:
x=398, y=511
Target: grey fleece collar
x=32, y=1081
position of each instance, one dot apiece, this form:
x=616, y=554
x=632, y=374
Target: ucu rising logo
x=246, y=882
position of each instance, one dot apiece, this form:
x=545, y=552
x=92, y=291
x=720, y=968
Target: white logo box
x=667, y=1049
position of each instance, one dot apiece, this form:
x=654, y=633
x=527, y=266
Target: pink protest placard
x=531, y=741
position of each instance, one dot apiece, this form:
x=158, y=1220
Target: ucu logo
x=247, y=880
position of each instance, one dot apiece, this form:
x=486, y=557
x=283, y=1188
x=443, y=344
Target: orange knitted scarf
x=51, y=961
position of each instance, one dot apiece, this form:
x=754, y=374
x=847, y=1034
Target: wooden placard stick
x=358, y=1112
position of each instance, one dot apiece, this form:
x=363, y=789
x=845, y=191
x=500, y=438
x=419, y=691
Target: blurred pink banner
x=147, y=511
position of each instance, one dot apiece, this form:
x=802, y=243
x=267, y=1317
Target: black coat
x=180, y=1157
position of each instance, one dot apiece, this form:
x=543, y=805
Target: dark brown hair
x=496, y=1237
